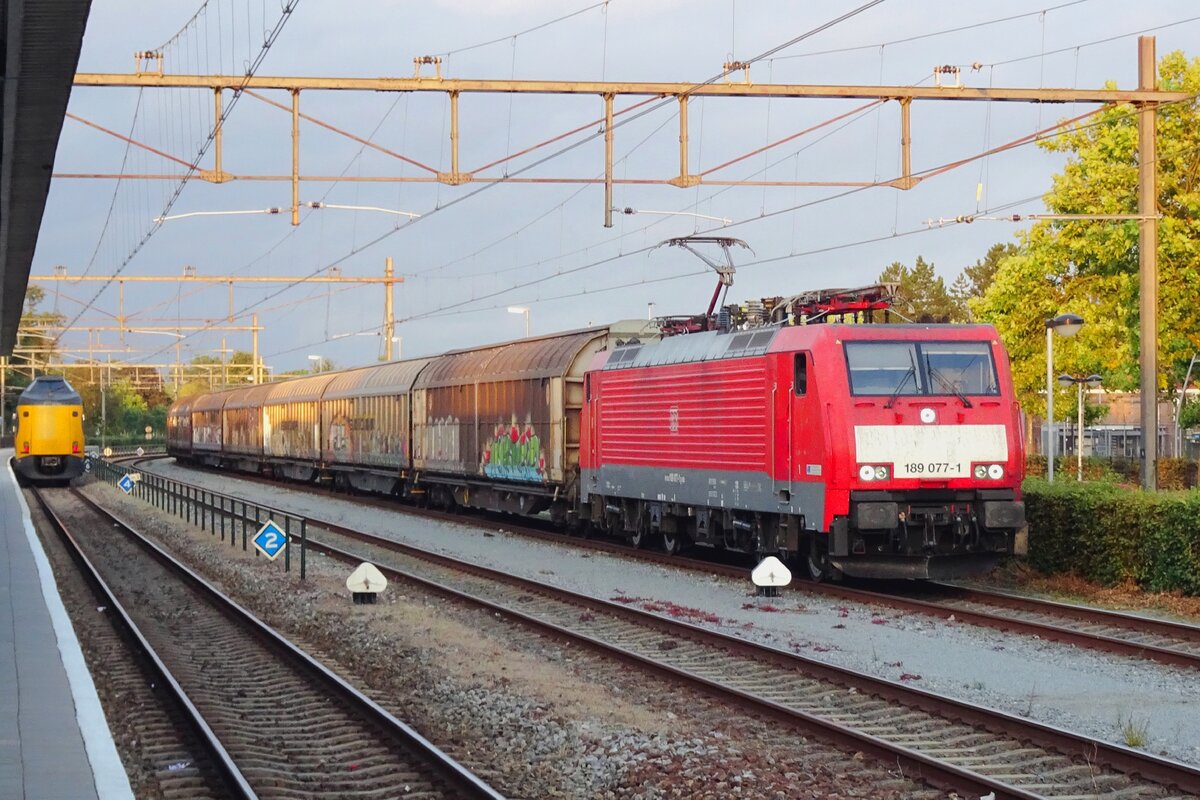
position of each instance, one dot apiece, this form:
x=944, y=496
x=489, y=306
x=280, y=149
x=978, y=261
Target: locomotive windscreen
x=921, y=368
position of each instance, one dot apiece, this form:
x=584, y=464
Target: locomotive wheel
x=819, y=568
x=672, y=543
x=642, y=535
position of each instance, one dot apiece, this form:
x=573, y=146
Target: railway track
x=1132, y=635
x=164, y=755
x=272, y=721
x=954, y=745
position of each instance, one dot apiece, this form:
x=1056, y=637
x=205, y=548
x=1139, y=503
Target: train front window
x=884, y=368
x=963, y=367
x=921, y=368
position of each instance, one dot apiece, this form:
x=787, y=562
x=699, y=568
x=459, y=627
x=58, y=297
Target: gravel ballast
x=536, y=718
x=1096, y=694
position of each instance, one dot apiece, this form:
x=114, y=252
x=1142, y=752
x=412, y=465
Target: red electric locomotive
x=870, y=450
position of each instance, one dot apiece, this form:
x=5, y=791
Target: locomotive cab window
x=921, y=368
x=800, y=380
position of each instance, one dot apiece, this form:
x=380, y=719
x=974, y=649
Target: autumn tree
x=1090, y=267
x=921, y=294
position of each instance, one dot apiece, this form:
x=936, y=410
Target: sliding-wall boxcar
x=243, y=425
x=208, y=428
x=366, y=417
x=292, y=426
x=498, y=427
x=179, y=427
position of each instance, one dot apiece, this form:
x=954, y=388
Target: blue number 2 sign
x=269, y=540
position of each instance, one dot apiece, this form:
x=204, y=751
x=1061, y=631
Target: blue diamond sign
x=126, y=484
x=269, y=540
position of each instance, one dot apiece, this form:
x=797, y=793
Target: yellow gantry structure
x=609, y=93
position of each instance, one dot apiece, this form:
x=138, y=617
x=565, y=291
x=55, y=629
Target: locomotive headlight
x=981, y=471
x=881, y=473
x=995, y=472
x=866, y=472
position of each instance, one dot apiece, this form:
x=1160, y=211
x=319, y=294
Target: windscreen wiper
x=909, y=374
x=947, y=385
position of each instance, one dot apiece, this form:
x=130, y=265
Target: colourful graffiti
x=514, y=454
x=359, y=438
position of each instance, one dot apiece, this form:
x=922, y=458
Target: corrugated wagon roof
x=298, y=390
x=395, y=377
x=182, y=406
x=248, y=397
x=545, y=357
x=211, y=402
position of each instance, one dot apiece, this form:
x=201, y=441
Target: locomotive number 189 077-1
x=943, y=469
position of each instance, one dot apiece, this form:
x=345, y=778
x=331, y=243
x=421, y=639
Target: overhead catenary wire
x=930, y=172
x=436, y=313
x=287, y=7
x=358, y=250
x=933, y=34
x=439, y=207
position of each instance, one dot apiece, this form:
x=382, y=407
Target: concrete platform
x=54, y=739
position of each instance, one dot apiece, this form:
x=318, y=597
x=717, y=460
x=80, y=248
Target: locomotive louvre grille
x=750, y=343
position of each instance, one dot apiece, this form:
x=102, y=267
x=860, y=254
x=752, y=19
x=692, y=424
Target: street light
x=316, y=363
x=521, y=310
x=1090, y=380
x=1179, y=401
x=1064, y=325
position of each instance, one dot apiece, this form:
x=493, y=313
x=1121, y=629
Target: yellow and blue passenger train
x=48, y=441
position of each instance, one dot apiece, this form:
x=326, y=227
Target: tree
x=921, y=295
x=974, y=281
x=1091, y=267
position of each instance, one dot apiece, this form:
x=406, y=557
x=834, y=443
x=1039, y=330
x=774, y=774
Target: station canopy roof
x=42, y=39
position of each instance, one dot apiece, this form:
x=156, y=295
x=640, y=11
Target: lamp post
x=1090, y=380
x=1064, y=325
x=1179, y=401
x=521, y=310
x=316, y=367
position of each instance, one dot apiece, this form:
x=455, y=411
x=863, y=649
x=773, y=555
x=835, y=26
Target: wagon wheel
x=673, y=543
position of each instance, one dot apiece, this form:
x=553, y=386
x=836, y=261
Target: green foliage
x=1112, y=535
x=1173, y=473
x=975, y=280
x=1090, y=268
x=922, y=295
x=1189, y=415
x=34, y=295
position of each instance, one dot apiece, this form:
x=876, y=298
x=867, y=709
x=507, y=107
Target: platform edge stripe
x=108, y=773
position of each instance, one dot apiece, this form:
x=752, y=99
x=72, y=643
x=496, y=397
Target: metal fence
x=212, y=511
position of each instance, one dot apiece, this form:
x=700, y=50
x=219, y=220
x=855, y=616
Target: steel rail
x=1085, y=639
x=1122, y=759
x=460, y=779
x=233, y=779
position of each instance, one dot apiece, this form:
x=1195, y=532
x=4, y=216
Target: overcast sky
x=544, y=245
